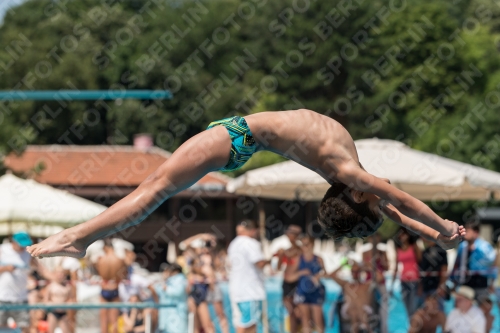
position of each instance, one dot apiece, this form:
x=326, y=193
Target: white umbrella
x=40, y=209
x=423, y=175
x=426, y=176
x=286, y=180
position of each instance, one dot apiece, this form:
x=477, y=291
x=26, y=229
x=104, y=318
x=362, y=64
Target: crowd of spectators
x=427, y=283
x=192, y=285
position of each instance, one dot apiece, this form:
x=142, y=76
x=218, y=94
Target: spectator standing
x=37, y=281
x=408, y=255
x=112, y=271
x=34, y=297
x=310, y=292
x=191, y=248
x=219, y=261
x=214, y=296
x=136, y=284
x=358, y=298
x=198, y=287
x=474, y=264
x=134, y=318
x=428, y=317
x=246, y=281
x=173, y=291
x=71, y=267
x=433, y=272
x=15, y=266
x=287, y=257
x=59, y=291
x=465, y=317
x=287, y=240
x=485, y=304
x=375, y=259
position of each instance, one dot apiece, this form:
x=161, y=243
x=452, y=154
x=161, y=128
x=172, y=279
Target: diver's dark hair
x=339, y=216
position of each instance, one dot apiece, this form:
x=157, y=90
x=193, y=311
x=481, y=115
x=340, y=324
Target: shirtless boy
x=59, y=291
x=112, y=271
x=485, y=304
x=429, y=317
x=352, y=207
x=358, y=298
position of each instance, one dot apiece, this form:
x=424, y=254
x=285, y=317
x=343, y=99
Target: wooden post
x=231, y=222
x=262, y=220
x=308, y=215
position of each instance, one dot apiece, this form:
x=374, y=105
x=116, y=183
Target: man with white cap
x=466, y=317
x=14, y=270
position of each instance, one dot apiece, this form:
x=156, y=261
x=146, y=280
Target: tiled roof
x=102, y=165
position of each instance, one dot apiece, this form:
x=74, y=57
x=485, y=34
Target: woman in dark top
x=198, y=286
x=433, y=272
x=134, y=318
x=310, y=292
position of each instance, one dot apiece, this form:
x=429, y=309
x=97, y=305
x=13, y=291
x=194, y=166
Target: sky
x=6, y=4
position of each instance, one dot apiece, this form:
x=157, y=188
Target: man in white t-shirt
x=465, y=317
x=15, y=266
x=246, y=281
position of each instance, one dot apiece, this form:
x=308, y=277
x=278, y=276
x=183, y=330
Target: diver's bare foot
x=60, y=244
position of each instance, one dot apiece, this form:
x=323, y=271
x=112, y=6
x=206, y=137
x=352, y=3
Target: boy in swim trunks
x=352, y=207
x=112, y=271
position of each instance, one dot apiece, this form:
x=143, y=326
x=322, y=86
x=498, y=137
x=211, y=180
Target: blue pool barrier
x=70, y=95
x=84, y=306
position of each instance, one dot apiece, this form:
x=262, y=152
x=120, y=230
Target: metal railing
x=69, y=95
x=95, y=306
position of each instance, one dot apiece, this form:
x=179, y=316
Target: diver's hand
x=452, y=228
x=450, y=242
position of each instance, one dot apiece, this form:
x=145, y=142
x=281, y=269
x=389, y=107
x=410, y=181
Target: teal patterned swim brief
x=243, y=145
